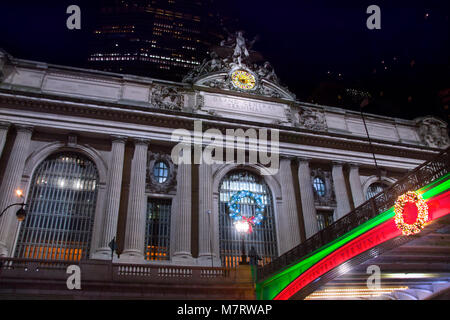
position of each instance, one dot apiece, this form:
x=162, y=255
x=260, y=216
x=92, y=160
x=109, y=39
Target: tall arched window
x=61, y=209
x=263, y=238
x=375, y=188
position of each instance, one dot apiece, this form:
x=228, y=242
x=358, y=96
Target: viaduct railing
x=107, y=271
x=419, y=177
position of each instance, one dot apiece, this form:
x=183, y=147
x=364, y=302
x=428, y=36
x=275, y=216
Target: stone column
x=340, y=190
x=292, y=231
x=3, y=133
x=307, y=198
x=182, y=240
x=136, y=213
x=355, y=185
x=206, y=217
x=10, y=183
x=113, y=189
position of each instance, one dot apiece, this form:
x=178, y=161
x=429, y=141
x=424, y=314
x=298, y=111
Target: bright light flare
x=19, y=193
x=242, y=226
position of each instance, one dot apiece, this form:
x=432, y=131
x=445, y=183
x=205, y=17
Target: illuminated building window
x=319, y=186
x=62, y=203
x=157, y=229
x=324, y=218
x=161, y=171
x=375, y=188
x=263, y=238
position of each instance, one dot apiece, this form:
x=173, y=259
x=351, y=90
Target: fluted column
x=3, y=133
x=307, y=198
x=340, y=190
x=182, y=240
x=10, y=183
x=291, y=223
x=355, y=185
x=136, y=214
x=113, y=189
x=207, y=250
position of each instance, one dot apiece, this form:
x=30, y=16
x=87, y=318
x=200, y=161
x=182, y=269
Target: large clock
x=244, y=80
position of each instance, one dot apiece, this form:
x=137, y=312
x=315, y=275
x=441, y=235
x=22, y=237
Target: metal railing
x=419, y=177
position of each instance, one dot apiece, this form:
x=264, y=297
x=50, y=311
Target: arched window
x=319, y=186
x=263, y=238
x=161, y=171
x=375, y=188
x=61, y=209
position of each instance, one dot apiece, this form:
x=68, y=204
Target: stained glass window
x=243, y=80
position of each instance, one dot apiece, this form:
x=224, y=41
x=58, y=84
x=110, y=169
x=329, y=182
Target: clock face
x=243, y=80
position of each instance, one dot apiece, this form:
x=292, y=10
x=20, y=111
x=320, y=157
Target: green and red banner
x=376, y=231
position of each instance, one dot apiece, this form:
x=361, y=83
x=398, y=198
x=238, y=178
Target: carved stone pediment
x=166, y=97
x=155, y=186
x=309, y=118
x=433, y=132
x=217, y=71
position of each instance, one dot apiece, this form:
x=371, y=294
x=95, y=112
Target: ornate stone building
x=93, y=153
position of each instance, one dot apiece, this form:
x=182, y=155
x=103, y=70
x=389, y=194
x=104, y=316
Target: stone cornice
x=178, y=119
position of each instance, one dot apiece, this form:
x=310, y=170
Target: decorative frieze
x=433, y=132
x=166, y=97
x=309, y=118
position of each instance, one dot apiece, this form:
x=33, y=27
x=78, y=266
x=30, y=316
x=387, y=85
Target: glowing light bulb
x=19, y=193
x=242, y=226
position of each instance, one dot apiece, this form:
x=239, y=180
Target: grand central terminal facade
x=93, y=153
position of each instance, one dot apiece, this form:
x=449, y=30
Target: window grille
x=263, y=237
x=324, y=218
x=61, y=209
x=319, y=186
x=374, y=189
x=161, y=171
x=157, y=230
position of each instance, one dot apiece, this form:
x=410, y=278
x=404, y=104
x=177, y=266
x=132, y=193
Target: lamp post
x=21, y=213
x=243, y=227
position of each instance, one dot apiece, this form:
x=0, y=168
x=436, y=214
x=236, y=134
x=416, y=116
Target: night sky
x=318, y=48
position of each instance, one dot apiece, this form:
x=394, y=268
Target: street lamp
x=243, y=227
x=21, y=213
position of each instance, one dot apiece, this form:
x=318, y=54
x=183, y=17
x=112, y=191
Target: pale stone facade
x=111, y=118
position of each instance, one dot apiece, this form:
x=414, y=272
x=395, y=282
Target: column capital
x=286, y=157
x=141, y=141
x=353, y=165
x=119, y=138
x=304, y=159
x=4, y=125
x=24, y=128
x=337, y=163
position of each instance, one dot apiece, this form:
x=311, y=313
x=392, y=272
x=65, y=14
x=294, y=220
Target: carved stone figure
x=4, y=58
x=267, y=72
x=236, y=57
x=309, y=118
x=433, y=132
